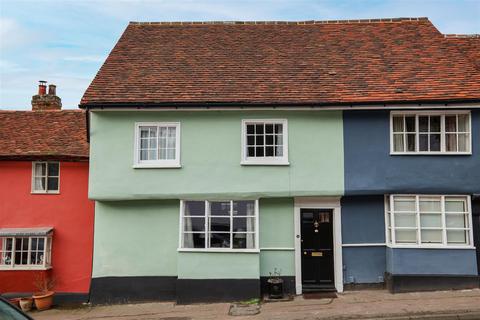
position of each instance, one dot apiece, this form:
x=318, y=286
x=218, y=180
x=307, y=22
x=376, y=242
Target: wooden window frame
x=46, y=191
x=47, y=252
x=443, y=133
x=174, y=163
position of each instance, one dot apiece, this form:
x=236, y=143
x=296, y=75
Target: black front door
x=317, y=249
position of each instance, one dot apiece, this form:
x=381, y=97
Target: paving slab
x=365, y=304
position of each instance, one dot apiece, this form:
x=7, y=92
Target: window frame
x=175, y=163
x=207, y=230
x=443, y=133
x=391, y=228
x=279, y=161
x=46, y=191
x=47, y=251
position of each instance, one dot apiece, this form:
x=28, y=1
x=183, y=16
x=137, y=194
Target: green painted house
x=217, y=156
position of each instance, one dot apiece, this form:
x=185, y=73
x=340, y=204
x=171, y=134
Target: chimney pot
x=42, y=87
x=52, y=89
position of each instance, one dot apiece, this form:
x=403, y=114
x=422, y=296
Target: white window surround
x=173, y=163
x=390, y=229
x=264, y=160
x=8, y=257
x=34, y=190
x=207, y=231
x=442, y=132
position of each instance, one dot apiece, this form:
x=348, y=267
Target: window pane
x=220, y=224
x=152, y=155
x=194, y=208
x=463, y=142
x=423, y=123
x=457, y=236
x=220, y=208
x=279, y=128
x=259, y=152
x=423, y=142
x=404, y=204
x=243, y=224
x=455, y=205
x=463, y=123
x=170, y=154
x=455, y=221
x=243, y=241
x=194, y=240
x=250, y=129
x=53, y=169
x=269, y=152
x=196, y=224
x=269, y=128
x=430, y=204
x=220, y=240
x=279, y=151
x=244, y=208
x=41, y=243
x=40, y=184
x=52, y=184
x=431, y=220
x=398, y=124
x=163, y=133
x=269, y=139
x=259, y=129
x=259, y=140
x=410, y=123
x=250, y=140
x=411, y=142
x=40, y=169
x=431, y=236
x=435, y=123
x=451, y=123
x=405, y=236
x=251, y=152
x=144, y=143
x=451, y=143
x=398, y=142
x=405, y=220
x=435, y=142
x=144, y=132
x=278, y=139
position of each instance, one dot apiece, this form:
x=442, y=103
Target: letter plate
x=317, y=254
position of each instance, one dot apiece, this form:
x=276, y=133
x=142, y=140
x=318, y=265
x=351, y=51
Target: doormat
x=320, y=295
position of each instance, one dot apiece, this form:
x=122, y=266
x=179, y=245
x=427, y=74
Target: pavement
x=364, y=304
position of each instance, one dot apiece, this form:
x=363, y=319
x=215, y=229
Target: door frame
x=332, y=203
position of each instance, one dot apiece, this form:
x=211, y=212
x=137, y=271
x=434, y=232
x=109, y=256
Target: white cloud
x=13, y=35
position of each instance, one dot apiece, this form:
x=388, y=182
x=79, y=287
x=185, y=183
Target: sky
x=66, y=41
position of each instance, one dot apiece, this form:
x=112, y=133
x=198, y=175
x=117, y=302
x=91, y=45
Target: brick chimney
x=46, y=101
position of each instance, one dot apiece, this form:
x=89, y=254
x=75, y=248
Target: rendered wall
x=370, y=169
x=211, y=154
x=70, y=213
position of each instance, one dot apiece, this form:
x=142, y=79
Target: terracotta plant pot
x=15, y=302
x=43, y=300
x=26, y=304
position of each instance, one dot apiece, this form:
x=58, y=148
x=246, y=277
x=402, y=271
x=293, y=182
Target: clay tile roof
x=469, y=44
x=47, y=135
x=280, y=62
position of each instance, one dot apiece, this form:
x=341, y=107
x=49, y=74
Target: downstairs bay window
x=25, y=248
x=219, y=225
x=428, y=221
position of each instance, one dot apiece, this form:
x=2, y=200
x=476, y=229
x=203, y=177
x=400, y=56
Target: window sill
x=157, y=165
x=264, y=163
x=430, y=153
x=430, y=247
x=220, y=250
x=45, y=192
x=24, y=268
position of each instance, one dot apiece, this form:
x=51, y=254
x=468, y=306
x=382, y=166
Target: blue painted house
x=343, y=154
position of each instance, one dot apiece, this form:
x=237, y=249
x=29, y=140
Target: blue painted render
x=370, y=169
x=363, y=264
x=431, y=261
x=363, y=219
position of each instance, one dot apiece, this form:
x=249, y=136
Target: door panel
x=317, y=247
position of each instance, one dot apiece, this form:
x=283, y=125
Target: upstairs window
x=25, y=249
x=430, y=132
x=265, y=142
x=46, y=177
x=219, y=225
x=157, y=145
x=426, y=221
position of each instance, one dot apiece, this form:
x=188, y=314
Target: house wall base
x=112, y=290
x=408, y=283
x=216, y=290
x=59, y=299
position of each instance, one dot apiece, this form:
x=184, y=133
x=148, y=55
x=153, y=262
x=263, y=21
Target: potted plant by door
x=275, y=285
x=44, y=297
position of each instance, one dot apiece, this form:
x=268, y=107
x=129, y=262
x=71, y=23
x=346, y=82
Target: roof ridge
x=453, y=35
x=275, y=22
